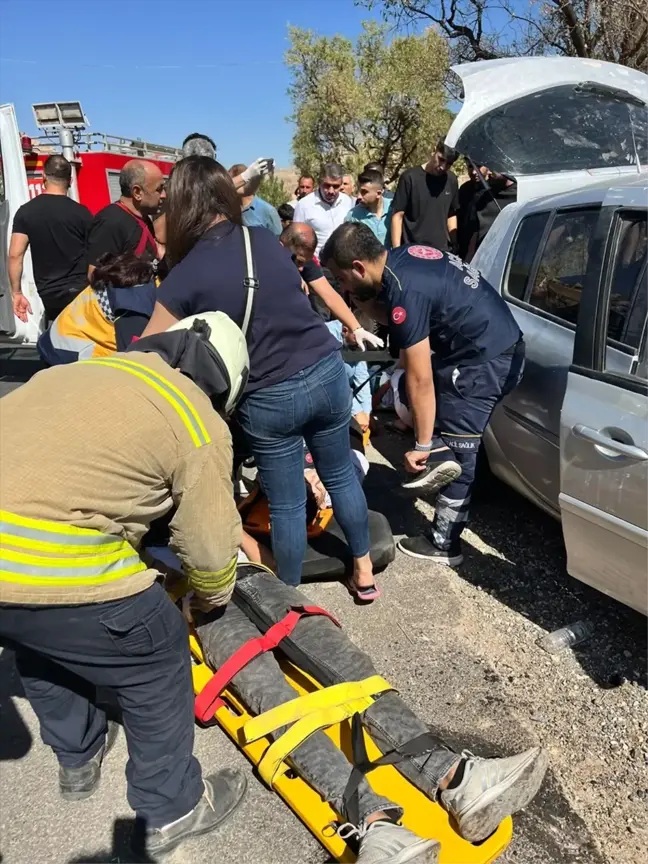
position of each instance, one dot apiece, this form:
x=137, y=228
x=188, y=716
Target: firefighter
x=431, y=300
x=118, y=442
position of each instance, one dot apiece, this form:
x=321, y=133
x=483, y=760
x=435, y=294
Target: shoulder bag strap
x=250, y=282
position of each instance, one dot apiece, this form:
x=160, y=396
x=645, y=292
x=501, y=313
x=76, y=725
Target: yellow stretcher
x=423, y=816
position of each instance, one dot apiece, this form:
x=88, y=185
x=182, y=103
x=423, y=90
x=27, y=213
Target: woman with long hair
x=298, y=388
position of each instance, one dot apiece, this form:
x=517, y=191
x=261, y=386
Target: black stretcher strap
x=362, y=765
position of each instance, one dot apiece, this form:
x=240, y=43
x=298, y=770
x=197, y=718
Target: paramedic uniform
x=478, y=357
x=93, y=452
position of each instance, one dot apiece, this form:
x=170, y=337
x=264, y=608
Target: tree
x=614, y=30
x=375, y=100
x=273, y=190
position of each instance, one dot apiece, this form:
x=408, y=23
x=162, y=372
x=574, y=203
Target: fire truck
x=96, y=160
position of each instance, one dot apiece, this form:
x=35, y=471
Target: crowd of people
x=190, y=325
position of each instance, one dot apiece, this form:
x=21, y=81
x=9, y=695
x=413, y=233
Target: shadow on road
x=530, y=576
x=127, y=834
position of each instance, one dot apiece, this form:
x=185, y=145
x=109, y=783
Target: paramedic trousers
x=262, y=686
x=137, y=647
x=312, y=406
x=466, y=398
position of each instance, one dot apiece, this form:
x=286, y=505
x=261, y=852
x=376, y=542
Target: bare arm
x=325, y=291
x=161, y=320
x=452, y=231
x=420, y=389
x=397, y=228
x=17, y=248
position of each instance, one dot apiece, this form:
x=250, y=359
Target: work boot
x=223, y=793
x=75, y=784
x=387, y=843
x=492, y=789
x=423, y=546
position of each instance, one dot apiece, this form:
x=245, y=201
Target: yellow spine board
x=423, y=816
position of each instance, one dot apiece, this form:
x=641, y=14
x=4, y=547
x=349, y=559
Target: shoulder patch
x=398, y=315
x=428, y=252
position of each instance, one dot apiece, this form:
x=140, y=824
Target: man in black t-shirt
x=485, y=207
x=432, y=301
x=426, y=202
x=55, y=228
x=126, y=226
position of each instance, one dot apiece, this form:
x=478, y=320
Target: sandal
x=365, y=594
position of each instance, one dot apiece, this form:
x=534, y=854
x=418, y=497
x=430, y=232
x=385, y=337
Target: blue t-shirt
x=285, y=336
x=433, y=294
x=259, y=212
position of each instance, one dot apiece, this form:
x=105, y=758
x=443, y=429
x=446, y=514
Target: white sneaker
x=386, y=843
x=492, y=789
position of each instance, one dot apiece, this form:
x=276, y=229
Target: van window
x=527, y=241
x=626, y=314
x=560, y=276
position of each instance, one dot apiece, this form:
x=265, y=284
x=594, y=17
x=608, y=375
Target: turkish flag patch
x=425, y=252
x=398, y=315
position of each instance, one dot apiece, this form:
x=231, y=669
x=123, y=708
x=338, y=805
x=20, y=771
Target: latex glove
x=361, y=336
x=259, y=168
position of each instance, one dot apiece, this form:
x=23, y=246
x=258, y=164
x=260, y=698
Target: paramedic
x=298, y=387
x=435, y=301
x=78, y=605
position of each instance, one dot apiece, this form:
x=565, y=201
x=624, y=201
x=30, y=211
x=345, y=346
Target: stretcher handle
x=208, y=701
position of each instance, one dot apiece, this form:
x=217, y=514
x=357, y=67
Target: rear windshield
x=561, y=129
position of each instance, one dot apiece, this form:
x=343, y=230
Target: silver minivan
x=573, y=436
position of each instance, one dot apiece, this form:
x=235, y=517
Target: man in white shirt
x=325, y=208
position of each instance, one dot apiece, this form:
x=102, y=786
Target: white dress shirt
x=322, y=217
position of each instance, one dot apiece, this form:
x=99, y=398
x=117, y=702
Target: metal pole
x=66, y=140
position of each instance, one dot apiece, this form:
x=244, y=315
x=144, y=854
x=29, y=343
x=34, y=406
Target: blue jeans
x=314, y=405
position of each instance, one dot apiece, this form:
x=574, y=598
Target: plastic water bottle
x=566, y=637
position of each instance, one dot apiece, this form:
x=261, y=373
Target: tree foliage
x=273, y=190
x=375, y=100
x=613, y=30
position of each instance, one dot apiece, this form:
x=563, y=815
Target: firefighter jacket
x=92, y=453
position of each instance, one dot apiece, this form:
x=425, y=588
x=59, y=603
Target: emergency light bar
x=52, y=115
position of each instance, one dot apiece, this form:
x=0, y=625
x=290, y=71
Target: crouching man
x=432, y=301
x=93, y=452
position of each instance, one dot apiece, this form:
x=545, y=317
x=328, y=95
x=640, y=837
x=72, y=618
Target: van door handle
x=601, y=440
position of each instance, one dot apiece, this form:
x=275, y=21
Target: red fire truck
x=98, y=159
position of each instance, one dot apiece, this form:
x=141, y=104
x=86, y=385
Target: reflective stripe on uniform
x=213, y=580
x=96, y=557
x=175, y=397
x=25, y=533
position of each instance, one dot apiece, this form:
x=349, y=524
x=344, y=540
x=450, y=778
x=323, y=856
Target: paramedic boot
x=492, y=789
x=387, y=843
x=223, y=793
x=76, y=784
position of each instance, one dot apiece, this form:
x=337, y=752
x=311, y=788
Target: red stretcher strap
x=208, y=701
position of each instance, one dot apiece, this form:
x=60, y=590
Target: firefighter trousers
x=136, y=647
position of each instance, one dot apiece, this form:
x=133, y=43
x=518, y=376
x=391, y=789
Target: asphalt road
x=461, y=648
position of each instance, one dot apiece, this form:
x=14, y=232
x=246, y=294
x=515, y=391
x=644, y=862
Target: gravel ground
x=461, y=648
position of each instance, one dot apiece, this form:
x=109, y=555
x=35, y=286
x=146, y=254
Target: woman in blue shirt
x=298, y=388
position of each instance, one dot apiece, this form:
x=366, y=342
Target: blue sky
x=225, y=72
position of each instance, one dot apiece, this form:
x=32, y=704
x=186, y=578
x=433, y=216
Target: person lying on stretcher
x=478, y=793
